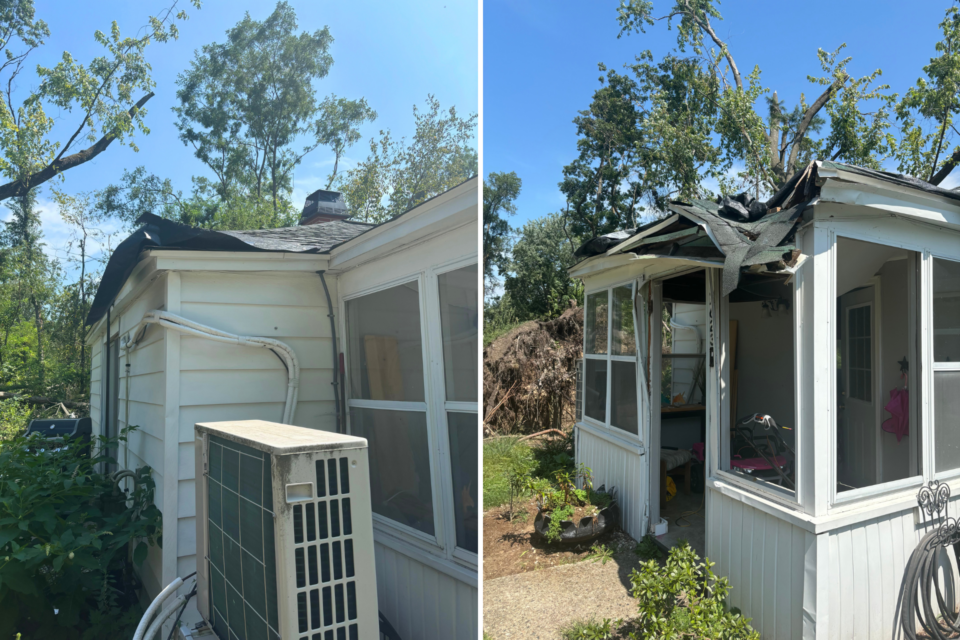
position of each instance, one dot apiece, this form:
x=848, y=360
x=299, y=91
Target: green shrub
x=497, y=455
x=589, y=630
x=685, y=599
x=68, y=542
x=648, y=549
x=14, y=417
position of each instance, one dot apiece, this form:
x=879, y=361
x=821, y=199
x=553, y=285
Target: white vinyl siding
x=220, y=381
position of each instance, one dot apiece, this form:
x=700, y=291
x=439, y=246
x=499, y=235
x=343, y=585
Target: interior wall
x=893, y=347
x=765, y=362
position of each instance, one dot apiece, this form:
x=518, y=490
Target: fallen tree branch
x=544, y=432
x=21, y=187
x=947, y=168
x=41, y=400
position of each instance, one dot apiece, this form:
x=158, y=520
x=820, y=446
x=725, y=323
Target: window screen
x=400, y=484
x=385, y=345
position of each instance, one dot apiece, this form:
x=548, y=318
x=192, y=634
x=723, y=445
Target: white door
x=857, y=425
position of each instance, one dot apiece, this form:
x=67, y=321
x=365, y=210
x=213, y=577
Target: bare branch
x=808, y=117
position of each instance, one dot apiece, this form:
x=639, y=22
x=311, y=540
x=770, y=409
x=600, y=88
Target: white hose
x=170, y=589
x=167, y=612
x=189, y=327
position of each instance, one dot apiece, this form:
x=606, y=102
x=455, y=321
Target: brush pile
x=529, y=376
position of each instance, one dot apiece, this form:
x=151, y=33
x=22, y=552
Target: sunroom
x=775, y=382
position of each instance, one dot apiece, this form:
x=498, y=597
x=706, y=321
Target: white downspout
x=189, y=327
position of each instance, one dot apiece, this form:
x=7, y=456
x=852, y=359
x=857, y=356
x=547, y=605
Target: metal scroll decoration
x=933, y=499
x=926, y=589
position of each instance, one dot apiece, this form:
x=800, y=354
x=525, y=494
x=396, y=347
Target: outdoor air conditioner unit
x=284, y=533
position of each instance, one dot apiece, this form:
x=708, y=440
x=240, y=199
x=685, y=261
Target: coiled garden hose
x=920, y=582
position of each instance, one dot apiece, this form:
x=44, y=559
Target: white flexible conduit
x=182, y=325
x=154, y=606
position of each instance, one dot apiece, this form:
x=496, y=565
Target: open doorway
x=759, y=432
x=679, y=425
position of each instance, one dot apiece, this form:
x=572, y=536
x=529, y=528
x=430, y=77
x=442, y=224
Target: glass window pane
x=458, y=322
x=400, y=487
x=946, y=310
x=874, y=418
x=384, y=347
x=623, y=396
x=946, y=419
x=623, y=339
x=595, y=327
x=762, y=361
x=595, y=389
x=463, y=428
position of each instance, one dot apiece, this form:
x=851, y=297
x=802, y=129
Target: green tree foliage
x=929, y=143
x=536, y=277
x=66, y=533
x=245, y=103
x=397, y=176
x=106, y=96
x=668, y=127
x=499, y=192
x=338, y=126
x=28, y=279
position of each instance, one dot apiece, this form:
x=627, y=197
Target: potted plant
x=572, y=515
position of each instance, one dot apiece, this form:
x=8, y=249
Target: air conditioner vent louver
x=324, y=558
x=289, y=535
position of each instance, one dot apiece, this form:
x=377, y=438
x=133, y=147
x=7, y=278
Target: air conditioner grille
x=242, y=560
x=323, y=556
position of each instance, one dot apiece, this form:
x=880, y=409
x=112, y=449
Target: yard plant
x=685, y=599
x=70, y=539
x=563, y=500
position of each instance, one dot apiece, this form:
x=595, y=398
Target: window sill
x=633, y=446
x=452, y=568
x=859, y=513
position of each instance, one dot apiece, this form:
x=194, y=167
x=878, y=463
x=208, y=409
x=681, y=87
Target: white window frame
x=949, y=474
x=923, y=323
x=722, y=358
x=609, y=358
x=441, y=545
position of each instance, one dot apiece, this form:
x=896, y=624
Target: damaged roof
x=742, y=232
x=160, y=233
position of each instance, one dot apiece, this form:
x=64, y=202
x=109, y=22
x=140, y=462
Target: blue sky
x=540, y=66
x=382, y=50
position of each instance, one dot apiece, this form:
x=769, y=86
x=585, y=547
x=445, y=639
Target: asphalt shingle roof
x=312, y=238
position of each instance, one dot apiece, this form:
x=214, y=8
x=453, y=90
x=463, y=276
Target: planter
x=587, y=530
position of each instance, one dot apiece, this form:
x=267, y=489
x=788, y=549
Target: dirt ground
x=510, y=548
x=522, y=577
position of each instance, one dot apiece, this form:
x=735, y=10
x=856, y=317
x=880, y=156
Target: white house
x=836, y=312
x=374, y=332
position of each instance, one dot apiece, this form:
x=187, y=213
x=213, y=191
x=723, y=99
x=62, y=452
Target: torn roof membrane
x=743, y=233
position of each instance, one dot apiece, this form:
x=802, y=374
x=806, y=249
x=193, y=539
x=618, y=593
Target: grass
x=550, y=456
x=589, y=630
x=492, y=331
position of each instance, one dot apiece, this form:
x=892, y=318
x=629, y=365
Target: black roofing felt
x=157, y=232
x=742, y=243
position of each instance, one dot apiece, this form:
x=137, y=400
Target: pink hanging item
x=697, y=449
x=899, y=408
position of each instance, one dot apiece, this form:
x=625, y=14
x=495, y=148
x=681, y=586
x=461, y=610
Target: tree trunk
x=38, y=322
